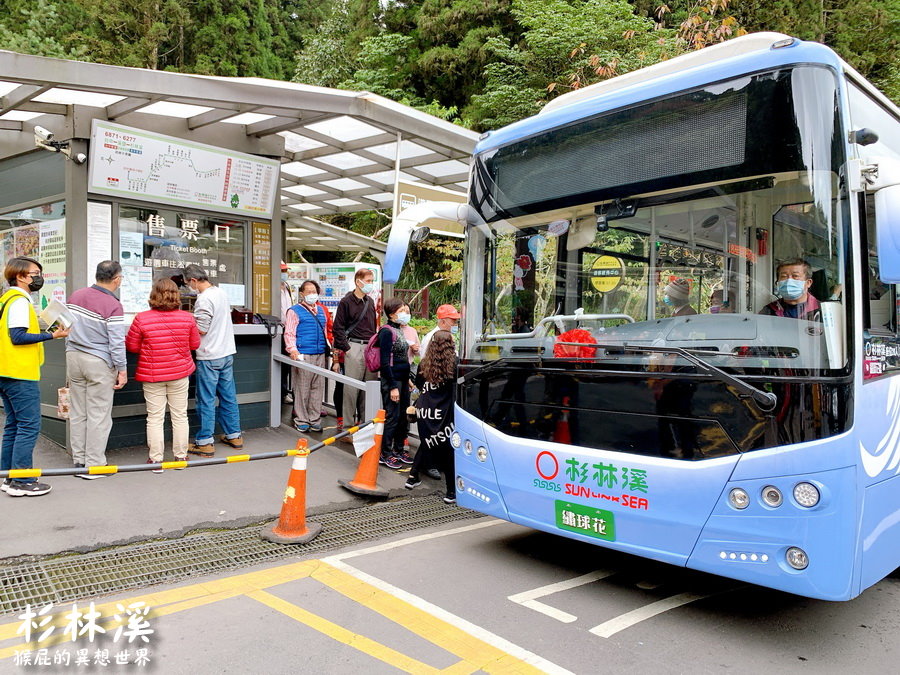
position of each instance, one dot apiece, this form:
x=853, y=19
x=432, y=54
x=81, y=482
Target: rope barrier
x=211, y=461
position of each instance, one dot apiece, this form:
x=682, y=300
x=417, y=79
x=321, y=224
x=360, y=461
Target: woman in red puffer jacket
x=163, y=337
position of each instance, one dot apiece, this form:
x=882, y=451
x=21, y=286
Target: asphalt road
x=486, y=596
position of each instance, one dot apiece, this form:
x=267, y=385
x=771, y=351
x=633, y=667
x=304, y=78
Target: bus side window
x=879, y=305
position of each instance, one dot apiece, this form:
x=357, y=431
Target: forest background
x=479, y=63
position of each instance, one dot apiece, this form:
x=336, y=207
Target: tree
x=135, y=33
x=37, y=27
x=566, y=44
x=326, y=59
x=237, y=38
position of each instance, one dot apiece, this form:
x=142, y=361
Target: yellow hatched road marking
x=374, y=649
x=176, y=599
x=475, y=654
x=479, y=654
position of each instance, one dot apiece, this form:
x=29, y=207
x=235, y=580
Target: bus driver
x=792, y=281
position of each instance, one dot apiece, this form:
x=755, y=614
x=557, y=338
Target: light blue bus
x=680, y=318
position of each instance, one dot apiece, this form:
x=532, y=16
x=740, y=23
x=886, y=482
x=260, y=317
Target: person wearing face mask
x=355, y=321
x=676, y=295
x=395, y=373
x=447, y=319
x=21, y=357
x=718, y=304
x=793, y=279
x=95, y=365
x=308, y=337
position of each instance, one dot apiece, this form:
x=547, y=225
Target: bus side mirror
x=410, y=221
x=887, y=220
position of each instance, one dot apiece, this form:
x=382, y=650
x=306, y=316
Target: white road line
x=439, y=612
x=412, y=540
x=529, y=598
x=629, y=619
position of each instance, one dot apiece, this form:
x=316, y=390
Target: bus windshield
x=625, y=230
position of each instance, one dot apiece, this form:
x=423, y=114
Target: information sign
x=139, y=164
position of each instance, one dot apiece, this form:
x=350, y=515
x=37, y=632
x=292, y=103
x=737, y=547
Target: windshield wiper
x=766, y=400
x=491, y=364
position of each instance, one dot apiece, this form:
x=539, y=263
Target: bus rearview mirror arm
x=409, y=220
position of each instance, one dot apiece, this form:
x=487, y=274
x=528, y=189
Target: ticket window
x=156, y=243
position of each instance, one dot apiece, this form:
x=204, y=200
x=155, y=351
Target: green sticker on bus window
x=585, y=520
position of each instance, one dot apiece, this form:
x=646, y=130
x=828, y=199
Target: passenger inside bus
x=718, y=304
x=792, y=281
x=676, y=296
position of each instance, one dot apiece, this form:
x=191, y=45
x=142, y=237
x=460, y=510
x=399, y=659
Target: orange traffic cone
x=562, y=434
x=365, y=481
x=292, y=527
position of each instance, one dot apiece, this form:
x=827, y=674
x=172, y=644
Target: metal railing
x=370, y=388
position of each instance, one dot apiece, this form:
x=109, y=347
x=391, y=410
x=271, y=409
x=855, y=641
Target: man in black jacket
x=355, y=322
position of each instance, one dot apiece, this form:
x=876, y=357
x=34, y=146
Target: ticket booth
x=159, y=170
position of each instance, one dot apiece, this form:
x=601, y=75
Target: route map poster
x=128, y=162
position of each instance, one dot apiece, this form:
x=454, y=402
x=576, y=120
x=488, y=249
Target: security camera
x=43, y=134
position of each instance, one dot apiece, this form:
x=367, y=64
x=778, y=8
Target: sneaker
x=412, y=483
x=315, y=428
x=288, y=398
x=433, y=473
x=150, y=461
x=86, y=475
x=404, y=457
x=302, y=427
x=206, y=450
x=236, y=443
x=5, y=485
x=17, y=489
x=391, y=462
x=340, y=424
x=181, y=459
x=450, y=498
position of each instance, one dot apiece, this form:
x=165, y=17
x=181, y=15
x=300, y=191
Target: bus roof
x=727, y=60
x=746, y=44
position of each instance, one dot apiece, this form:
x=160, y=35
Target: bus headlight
x=806, y=494
x=771, y=495
x=455, y=439
x=467, y=447
x=481, y=453
x=797, y=558
x=739, y=498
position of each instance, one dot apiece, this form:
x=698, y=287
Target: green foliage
x=566, y=44
x=326, y=59
x=237, y=38
x=36, y=27
x=214, y=37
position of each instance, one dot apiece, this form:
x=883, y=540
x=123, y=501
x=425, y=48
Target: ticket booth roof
x=338, y=148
